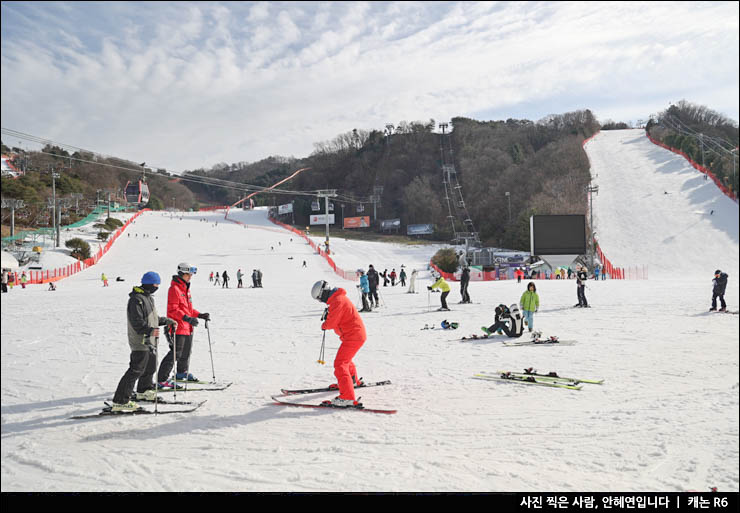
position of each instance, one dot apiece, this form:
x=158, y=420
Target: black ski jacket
x=720, y=284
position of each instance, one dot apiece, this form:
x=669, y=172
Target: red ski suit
x=347, y=323
x=179, y=303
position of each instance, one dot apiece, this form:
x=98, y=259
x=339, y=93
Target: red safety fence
x=727, y=192
x=36, y=277
x=206, y=209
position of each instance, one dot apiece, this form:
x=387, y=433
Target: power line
x=203, y=180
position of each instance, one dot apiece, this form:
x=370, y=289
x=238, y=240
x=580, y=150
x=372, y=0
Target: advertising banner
x=390, y=224
x=357, y=222
x=285, y=209
x=321, y=219
x=420, y=229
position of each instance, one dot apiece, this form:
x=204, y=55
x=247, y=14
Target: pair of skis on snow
x=359, y=407
x=534, y=341
x=214, y=387
x=532, y=377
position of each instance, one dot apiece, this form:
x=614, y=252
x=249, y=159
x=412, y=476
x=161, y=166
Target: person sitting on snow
x=507, y=319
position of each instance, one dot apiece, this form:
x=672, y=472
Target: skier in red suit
x=342, y=317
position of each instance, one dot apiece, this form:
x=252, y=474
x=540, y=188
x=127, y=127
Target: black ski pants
x=721, y=300
x=184, y=345
x=464, y=292
x=141, y=367
x=503, y=325
x=582, y=295
x=374, y=296
x=443, y=298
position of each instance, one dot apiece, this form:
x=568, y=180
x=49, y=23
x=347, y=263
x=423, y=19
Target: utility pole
x=375, y=199
x=12, y=204
x=591, y=189
x=326, y=194
x=55, y=209
x=508, y=196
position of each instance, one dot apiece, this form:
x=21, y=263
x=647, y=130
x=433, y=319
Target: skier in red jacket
x=180, y=308
x=342, y=317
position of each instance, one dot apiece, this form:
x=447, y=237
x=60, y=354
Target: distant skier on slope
x=412, y=282
x=464, y=282
x=373, y=281
x=581, y=276
x=719, y=284
x=364, y=287
x=444, y=287
x=506, y=319
x=344, y=319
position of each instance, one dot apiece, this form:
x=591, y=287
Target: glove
x=325, y=314
x=193, y=321
x=429, y=288
x=206, y=316
x=170, y=322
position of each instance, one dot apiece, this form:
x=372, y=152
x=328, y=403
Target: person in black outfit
x=581, y=275
x=373, y=281
x=384, y=274
x=508, y=320
x=719, y=284
x=464, y=281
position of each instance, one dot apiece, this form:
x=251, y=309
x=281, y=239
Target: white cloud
x=274, y=78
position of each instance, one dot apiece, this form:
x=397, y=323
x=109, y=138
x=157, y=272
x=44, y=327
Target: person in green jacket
x=444, y=287
x=529, y=303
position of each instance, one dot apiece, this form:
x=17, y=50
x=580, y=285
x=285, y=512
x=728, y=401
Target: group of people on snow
x=370, y=281
x=223, y=279
x=10, y=279
x=143, y=323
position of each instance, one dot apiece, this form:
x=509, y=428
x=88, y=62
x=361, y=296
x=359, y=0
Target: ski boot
x=124, y=407
x=185, y=376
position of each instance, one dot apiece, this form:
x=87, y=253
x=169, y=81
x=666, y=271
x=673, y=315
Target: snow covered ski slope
x=654, y=209
x=665, y=417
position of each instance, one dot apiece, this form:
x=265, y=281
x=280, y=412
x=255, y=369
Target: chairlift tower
x=456, y=207
x=12, y=204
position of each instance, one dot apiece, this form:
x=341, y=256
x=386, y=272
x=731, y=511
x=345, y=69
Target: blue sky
x=183, y=85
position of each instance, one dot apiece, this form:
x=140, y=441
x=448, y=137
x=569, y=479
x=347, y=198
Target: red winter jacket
x=180, y=303
x=344, y=319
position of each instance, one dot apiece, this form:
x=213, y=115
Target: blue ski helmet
x=151, y=278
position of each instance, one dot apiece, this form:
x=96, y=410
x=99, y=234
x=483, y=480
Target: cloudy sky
x=183, y=85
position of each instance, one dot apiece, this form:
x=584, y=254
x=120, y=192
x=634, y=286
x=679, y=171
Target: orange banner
x=357, y=222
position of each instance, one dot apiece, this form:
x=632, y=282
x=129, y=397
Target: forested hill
x=541, y=164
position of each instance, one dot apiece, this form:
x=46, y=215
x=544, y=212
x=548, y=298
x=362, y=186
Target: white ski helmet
x=318, y=289
x=514, y=309
x=186, y=268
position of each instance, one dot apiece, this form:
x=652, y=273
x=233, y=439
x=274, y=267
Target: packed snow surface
x=666, y=417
